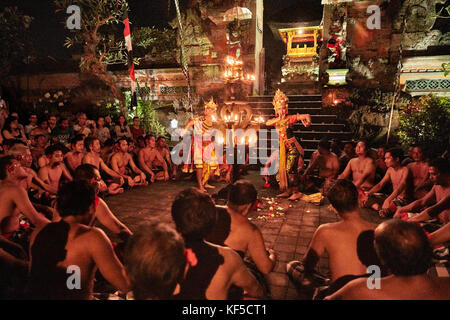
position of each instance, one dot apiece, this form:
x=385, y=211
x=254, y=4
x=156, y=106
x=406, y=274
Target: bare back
x=340, y=242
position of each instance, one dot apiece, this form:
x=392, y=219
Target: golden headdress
x=211, y=105
x=279, y=100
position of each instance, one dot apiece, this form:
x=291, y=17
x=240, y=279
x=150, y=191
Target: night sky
x=49, y=32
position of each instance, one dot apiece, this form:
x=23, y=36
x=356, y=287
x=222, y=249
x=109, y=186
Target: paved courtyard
x=288, y=232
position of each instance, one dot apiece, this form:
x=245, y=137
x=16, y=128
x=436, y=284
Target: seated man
x=58, y=246
x=437, y=201
x=92, y=156
x=39, y=149
x=63, y=134
x=122, y=163
x=152, y=163
x=218, y=268
x=327, y=163
x=55, y=170
x=340, y=240
x=161, y=147
x=90, y=174
x=401, y=180
x=347, y=155
x=403, y=248
x=13, y=242
x=361, y=168
x=419, y=171
x=39, y=192
x=235, y=231
x=156, y=262
x=74, y=158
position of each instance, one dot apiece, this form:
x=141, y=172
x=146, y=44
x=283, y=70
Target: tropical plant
x=426, y=121
x=15, y=38
x=97, y=39
x=147, y=111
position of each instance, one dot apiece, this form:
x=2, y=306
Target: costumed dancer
x=289, y=148
x=202, y=148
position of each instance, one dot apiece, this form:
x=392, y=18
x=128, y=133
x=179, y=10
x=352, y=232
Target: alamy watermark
x=374, y=21
x=74, y=21
x=374, y=280
x=74, y=280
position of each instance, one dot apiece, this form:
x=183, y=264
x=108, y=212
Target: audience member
x=401, y=180
x=361, y=168
x=403, y=248
x=74, y=158
x=83, y=126
x=233, y=229
x=437, y=201
x=327, y=163
x=152, y=163
x=122, y=163
x=88, y=173
x=59, y=246
x=217, y=268
x=55, y=169
x=419, y=170
x=92, y=157
x=41, y=129
x=136, y=129
x=347, y=155
x=122, y=129
x=33, y=124
x=52, y=122
x=11, y=130
x=340, y=240
x=156, y=262
x=63, y=133
x=102, y=132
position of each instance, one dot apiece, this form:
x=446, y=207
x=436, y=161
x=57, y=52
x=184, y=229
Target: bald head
x=403, y=247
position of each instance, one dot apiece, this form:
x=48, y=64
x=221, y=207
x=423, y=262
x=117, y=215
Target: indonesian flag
x=127, y=35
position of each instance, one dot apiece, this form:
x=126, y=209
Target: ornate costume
x=202, y=147
x=290, y=150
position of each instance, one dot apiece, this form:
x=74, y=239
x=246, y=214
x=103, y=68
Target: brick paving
x=289, y=235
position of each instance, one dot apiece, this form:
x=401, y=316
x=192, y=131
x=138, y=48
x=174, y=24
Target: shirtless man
x=120, y=162
x=23, y=154
x=74, y=158
x=39, y=149
x=327, y=163
x=161, y=147
x=419, y=171
x=235, y=231
x=402, y=186
x=92, y=156
x=362, y=168
x=13, y=202
x=52, y=173
x=339, y=239
x=218, y=268
x=404, y=249
x=74, y=243
x=437, y=201
x=150, y=160
x=88, y=173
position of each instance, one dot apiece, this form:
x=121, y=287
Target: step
x=292, y=98
x=319, y=127
x=266, y=111
x=295, y=104
x=317, y=135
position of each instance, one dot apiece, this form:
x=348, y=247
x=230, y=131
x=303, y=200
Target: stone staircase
x=323, y=125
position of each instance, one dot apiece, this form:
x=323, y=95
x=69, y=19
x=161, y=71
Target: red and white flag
x=127, y=36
